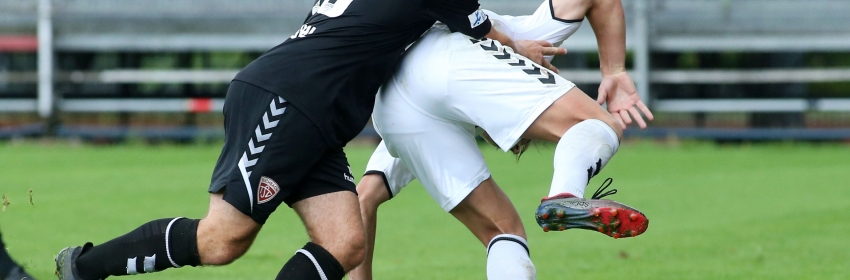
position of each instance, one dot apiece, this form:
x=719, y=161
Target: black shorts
x=272, y=148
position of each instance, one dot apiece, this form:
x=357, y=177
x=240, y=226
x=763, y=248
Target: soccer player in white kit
x=449, y=84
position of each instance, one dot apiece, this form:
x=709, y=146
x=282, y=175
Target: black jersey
x=332, y=67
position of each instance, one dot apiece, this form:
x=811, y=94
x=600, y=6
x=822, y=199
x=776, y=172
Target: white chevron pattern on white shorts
x=540, y=72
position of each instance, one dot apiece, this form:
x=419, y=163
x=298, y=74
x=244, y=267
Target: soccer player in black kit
x=288, y=115
x=9, y=270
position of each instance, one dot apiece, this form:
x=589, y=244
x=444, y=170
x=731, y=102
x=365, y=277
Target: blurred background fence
x=157, y=69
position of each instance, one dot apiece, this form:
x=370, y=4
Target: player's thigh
x=488, y=212
x=564, y=113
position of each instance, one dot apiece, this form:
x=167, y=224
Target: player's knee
x=357, y=254
x=356, y=250
x=224, y=252
x=222, y=256
x=350, y=252
x=221, y=245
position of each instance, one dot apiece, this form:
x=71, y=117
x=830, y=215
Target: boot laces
x=600, y=193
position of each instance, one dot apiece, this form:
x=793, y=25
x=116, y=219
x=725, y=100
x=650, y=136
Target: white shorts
x=447, y=85
x=453, y=78
x=395, y=174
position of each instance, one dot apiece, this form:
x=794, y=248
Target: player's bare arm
x=617, y=88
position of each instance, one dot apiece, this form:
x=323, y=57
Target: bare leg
x=488, y=212
x=225, y=234
x=333, y=221
x=490, y=216
x=574, y=107
x=372, y=193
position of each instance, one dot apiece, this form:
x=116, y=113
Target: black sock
x=143, y=250
x=6, y=262
x=301, y=267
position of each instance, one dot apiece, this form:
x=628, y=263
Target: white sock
x=581, y=153
x=508, y=259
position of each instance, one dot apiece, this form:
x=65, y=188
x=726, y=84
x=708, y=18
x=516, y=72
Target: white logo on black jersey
x=303, y=31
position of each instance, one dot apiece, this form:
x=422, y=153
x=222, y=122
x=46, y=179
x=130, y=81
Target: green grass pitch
x=772, y=211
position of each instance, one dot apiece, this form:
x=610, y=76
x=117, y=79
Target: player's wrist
x=613, y=70
x=503, y=39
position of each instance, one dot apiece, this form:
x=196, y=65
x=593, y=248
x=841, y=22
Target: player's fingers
x=549, y=66
x=645, y=110
x=619, y=120
x=544, y=43
x=602, y=93
x=625, y=115
x=554, y=51
x=638, y=118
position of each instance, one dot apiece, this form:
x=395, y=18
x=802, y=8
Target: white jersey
x=542, y=25
x=448, y=84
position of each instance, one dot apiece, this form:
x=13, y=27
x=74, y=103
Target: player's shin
x=312, y=262
x=508, y=258
x=580, y=154
x=154, y=246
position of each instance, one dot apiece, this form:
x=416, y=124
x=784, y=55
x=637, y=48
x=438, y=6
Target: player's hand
x=537, y=50
x=623, y=99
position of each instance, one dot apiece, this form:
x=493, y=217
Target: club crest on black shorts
x=267, y=189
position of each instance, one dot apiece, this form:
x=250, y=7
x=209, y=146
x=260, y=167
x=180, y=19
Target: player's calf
x=489, y=214
x=154, y=246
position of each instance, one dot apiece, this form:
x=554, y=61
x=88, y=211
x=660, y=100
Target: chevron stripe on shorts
x=257, y=142
x=500, y=53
